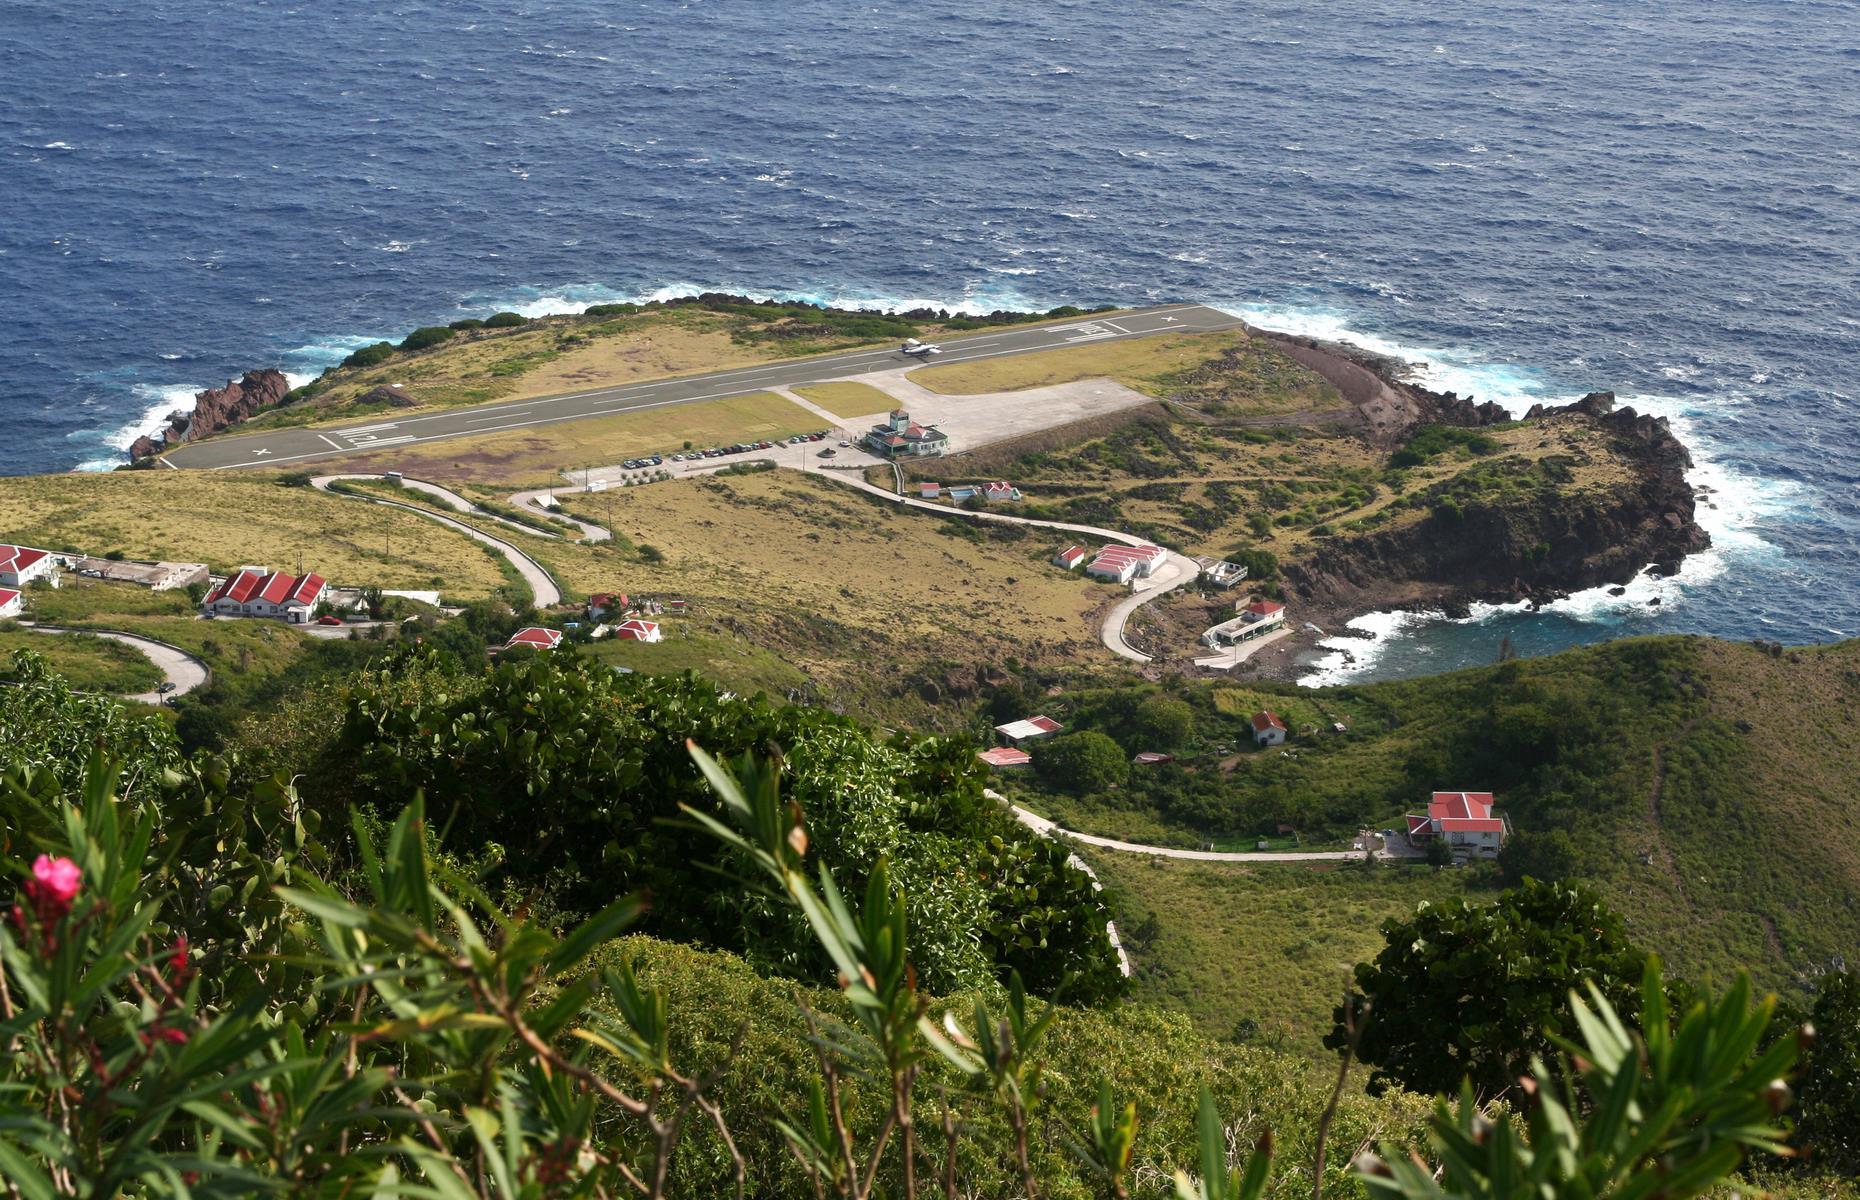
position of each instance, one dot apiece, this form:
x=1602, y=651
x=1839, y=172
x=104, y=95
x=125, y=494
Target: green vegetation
x=848, y=400
x=1829, y=1109
x=1430, y=441
x=1474, y=992
x=1081, y=762
x=214, y=988
x=91, y=663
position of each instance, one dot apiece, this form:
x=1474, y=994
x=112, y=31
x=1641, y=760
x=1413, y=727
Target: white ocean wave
x=158, y=401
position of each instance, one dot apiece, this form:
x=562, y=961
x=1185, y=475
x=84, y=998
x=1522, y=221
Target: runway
x=289, y=446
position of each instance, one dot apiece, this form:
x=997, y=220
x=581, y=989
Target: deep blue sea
x=1537, y=198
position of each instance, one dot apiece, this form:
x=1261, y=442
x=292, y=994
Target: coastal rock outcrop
x=216, y=409
x=1388, y=405
x=1523, y=543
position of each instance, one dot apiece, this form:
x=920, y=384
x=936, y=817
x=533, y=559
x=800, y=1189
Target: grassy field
x=833, y=583
x=1269, y=945
x=738, y=662
x=848, y=400
x=536, y=457
x=91, y=664
x=229, y=519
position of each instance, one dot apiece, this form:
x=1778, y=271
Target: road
x=180, y=668
x=543, y=589
x=1043, y=826
x=1175, y=570
x=281, y=447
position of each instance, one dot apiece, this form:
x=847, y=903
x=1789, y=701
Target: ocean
x=1534, y=199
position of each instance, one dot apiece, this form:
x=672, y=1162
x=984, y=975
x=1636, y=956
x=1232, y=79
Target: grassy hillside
x=91, y=664
x=1708, y=788
x=228, y=519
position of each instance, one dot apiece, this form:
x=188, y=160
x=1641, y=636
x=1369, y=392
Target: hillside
x=1707, y=788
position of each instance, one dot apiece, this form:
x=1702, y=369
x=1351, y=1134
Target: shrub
x=370, y=356
x=650, y=554
x=1830, y=1105
x=506, y=320
x=1081, y=762
x=425, y=337
x=609, y=310
x=294, y=479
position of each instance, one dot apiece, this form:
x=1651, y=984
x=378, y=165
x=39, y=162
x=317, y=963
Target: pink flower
x=59, y=878
x=177, y=961
x=54, y=884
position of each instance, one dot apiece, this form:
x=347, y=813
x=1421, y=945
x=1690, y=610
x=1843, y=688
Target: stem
x=1353, y=1026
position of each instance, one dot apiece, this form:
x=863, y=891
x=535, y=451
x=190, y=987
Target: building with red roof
x=11, y=602
x=929, y=491
x=20, y=565
x=638, y=631
x=536, y=638
x=257, y=592
x=1005, y=757
x=1070, y=558
x=1257, y=619
x=1031, y=729
x=1268, y=728
x=1117, y=563
x=1464, y=820
x=1001, y=490
x=900, y=437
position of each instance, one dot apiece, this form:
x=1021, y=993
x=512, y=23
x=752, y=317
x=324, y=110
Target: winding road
x=544, y=591
x=1048, y=828
x=178, y=667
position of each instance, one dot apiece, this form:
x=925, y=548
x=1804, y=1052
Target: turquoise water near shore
x=1538, y=200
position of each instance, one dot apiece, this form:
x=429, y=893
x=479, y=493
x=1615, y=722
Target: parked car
x=165, y=687
x=657, y=461
x=329, y=619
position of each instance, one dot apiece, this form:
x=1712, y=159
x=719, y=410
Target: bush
x=466, y=325
x=1830, y=1105
x=370, y=356
x=1081, y=762
x=426, y=336
x=609, y=310
x=294, y=479
x=506, y=320
x=1164, y=724
x=650, y=554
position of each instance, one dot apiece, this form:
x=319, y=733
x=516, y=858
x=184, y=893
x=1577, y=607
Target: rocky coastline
x=1536, y=547
x=215, y=410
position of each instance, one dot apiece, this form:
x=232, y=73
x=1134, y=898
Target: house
x=1464, y=820
x=1268, y=729
x=10, y=603
x=1005, y=756
x=1117, y=563
x=638, y=631
x=1255, y=620
x=1000, y=491
x=1152, y=758
x=959, y=494
x=1220, y=572
x=600, y=604
x=1070, y=558
x=929, y=491
x=258, y=592
x=20, y=565
x=535, y=637
x=900, y=437
x=677, y=606
x=1032, y=729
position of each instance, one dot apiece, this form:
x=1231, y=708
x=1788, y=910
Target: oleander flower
x=54, y=885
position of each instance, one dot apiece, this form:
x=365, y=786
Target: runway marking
x=494, y=416
x=333, y=444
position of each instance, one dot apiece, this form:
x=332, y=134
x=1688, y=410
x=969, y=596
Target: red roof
x=238, y=588
x=7, y=596
x=274, y=587
x=1471, y=825
x=1152, y=758
x=1475, y=806
x=18, y=558
x=636, y=629
x=535, y=636
x=1265, y=608
x=1262, y=721
x=1005, y=756
x=1072, y=554
x=1046, y=723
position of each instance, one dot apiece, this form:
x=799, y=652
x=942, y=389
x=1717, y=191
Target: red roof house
x=256, y=592
x=1030, y=730
x=1268, y=729
x=10, y=603
x=20, y=565
x=1005, y=756
x=536, y=638
x=1152, y=758
x=1070, y=557
x=638, y=631
x=1465, y=820
x=929, y=491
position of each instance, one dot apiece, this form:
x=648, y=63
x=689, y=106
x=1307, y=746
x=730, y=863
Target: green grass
x=88, y=663
x=1268, y=945
x=737, y=663
x=848, y=400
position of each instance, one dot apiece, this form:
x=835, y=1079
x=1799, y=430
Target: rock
x=1654, y=603
x=1617, y=590
x=393, y=397
x=217, y=409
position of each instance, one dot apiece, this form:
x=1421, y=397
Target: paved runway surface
x=282, y=446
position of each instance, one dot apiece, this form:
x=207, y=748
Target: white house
x=256, y=592
x=929, y=491
x=1032, y=729
x=11, y=603
x=1001, y=490
x=1466, y=822
x=639, y=631
x=1121, y=564
x=1255, y=620
x=1268, y=729
x=1070, y=558
x=20, y=565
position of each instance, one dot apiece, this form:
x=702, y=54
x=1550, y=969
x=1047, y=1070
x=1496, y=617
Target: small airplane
x=922, y=349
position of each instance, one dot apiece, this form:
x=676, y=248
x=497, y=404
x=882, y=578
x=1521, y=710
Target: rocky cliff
x=1388, y=405
x=1534, y=543
x=216, y=409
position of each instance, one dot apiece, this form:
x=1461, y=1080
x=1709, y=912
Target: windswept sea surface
x=1538, y=199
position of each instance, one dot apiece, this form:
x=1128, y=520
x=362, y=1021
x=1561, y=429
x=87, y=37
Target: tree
x=1439, y=852
x=1164, y=723
x=376, y=602
x=1546, y=854
x=1829, y=1120
x=1081, y=762
x=1472, y=991
x=425, y=336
